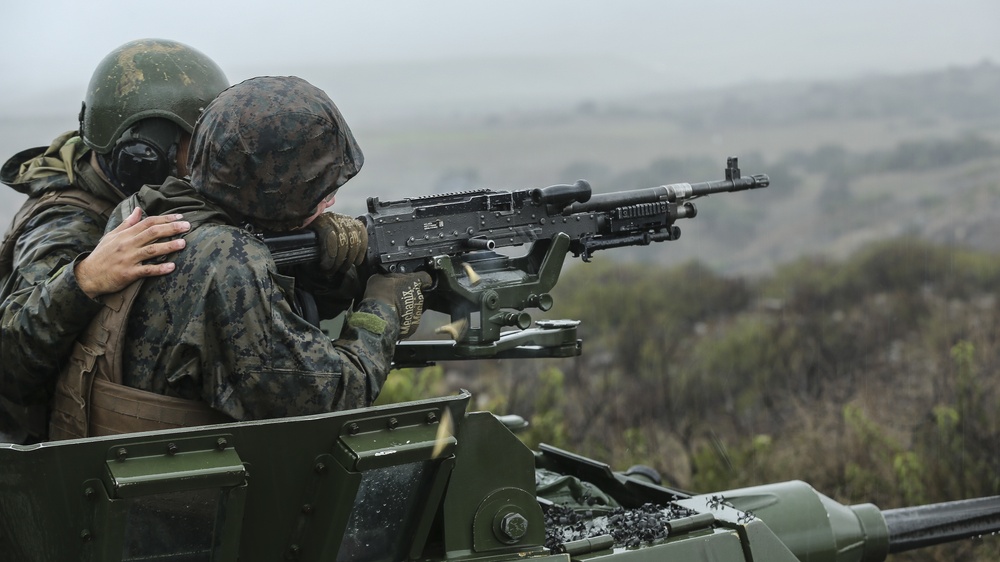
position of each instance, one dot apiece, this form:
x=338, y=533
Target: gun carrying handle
x=561, y=195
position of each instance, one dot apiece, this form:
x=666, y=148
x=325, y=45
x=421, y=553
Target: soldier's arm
x=284, y=366
x=46, y=309
x=62, y=264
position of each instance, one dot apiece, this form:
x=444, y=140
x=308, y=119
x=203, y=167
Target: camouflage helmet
x=271, y=149
x=147, y=78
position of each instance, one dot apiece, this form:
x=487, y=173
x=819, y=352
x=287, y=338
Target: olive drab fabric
x=90, y=397
x=43, y=309
x=40, y=168
x=271, y=149
x=49, y=173
x=572, y=492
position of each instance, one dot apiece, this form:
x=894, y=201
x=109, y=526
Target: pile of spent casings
x=628, y=527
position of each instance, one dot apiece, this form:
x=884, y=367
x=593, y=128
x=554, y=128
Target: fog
x=573, y=48
x=456, y=94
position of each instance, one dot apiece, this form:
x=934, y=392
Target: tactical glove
x=343, y=241
x=404, y=291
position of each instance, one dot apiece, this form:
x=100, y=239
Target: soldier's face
x=321, y=208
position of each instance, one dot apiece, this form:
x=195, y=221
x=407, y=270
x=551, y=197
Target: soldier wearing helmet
x=224, y=337
x=135, y=124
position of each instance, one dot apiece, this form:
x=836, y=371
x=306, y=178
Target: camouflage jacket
x=43, y=308
x=223, y=326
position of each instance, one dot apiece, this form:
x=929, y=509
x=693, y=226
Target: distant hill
x=851, y=161
x=962, y=94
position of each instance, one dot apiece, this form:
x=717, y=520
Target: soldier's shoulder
x=223, y=243
x=214, y=234
x=65, y=213
x=62, y=226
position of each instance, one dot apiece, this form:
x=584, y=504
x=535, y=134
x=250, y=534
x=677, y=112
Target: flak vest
x=90, y=399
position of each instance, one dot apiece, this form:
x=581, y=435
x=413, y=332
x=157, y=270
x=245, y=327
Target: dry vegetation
x=873, y=379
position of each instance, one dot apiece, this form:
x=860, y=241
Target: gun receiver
x=455, y=237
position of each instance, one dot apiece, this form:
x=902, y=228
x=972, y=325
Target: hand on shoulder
x=123, y=254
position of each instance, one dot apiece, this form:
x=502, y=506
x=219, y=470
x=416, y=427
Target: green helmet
x=143, y=79
x=270, y=149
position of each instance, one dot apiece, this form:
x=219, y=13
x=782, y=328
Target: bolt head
x=514, y=526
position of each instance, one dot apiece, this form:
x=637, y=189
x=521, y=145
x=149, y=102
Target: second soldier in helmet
x=139, y=110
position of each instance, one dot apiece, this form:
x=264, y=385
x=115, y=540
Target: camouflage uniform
x=44, y=308
x=223, y=328
x=142, y=98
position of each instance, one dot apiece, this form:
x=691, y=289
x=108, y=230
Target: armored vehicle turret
x=424, y=480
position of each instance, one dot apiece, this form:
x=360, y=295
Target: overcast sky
x=55, y=46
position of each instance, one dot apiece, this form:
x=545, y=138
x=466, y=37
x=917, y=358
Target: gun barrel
x=672, y=193
x=737, y=184
x=928, y=525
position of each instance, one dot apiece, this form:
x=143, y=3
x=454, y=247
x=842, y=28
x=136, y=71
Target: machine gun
x=455, y=237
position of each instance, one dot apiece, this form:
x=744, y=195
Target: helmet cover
x=271, y=149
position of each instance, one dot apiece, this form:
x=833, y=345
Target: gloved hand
x=404, y=291
x=343, y=241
